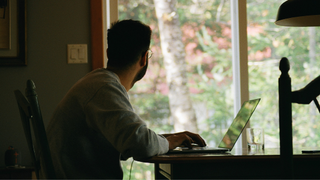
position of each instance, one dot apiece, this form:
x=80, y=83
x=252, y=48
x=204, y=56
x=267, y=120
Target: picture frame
x=16, y=54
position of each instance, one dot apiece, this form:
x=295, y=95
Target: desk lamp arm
x=308, y=93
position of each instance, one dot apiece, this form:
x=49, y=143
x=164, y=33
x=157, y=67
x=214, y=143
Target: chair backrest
x=34, y=130
x=285, y=119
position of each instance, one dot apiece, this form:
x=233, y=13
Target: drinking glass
x=255, y=138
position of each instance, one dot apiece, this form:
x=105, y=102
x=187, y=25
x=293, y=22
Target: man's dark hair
x=128, y=40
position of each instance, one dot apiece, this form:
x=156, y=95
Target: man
x=94, y=125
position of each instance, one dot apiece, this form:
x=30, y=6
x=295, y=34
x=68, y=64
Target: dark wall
x=51, y=25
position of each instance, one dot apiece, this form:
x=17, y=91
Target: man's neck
x=126, y=76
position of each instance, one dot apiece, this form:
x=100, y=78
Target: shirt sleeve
x=109, y=112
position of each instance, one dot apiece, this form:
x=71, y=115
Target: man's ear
x=143, y=60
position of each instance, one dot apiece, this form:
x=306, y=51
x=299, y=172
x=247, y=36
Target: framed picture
x=13, y=39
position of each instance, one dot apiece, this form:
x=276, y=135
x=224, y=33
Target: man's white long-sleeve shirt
x=93, y=125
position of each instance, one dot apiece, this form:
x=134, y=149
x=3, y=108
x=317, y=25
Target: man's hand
x=184, y=138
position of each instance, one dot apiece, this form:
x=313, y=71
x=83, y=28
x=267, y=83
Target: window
x=210, y=64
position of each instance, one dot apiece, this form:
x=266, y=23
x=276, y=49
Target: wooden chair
x=285, y=119
x=286, y=97
x=34, y=130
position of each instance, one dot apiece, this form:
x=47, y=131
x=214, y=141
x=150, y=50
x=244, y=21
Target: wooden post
x=285, y=119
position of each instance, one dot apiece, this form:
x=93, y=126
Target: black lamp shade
x=299, y=13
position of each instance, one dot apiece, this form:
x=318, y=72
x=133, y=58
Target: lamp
x=302, y=13
x=299, y=13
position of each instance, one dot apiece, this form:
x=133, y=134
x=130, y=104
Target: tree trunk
x=174, y=60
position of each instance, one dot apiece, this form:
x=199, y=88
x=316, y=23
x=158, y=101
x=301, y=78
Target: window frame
x=97, y=35
x=240, y=60
x=102, y=13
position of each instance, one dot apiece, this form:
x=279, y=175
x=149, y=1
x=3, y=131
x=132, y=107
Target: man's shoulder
x=96, y=81
x=101, y=82
x=98, y=78
x=102, y=74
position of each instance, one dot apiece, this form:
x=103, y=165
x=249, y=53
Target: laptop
x=233, y=133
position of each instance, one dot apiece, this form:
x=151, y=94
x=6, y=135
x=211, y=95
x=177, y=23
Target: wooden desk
x=17, y=173
x=244, y=165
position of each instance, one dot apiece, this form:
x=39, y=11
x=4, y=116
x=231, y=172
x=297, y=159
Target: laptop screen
x=238, y=124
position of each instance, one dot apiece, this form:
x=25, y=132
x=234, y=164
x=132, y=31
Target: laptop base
x=182, y=150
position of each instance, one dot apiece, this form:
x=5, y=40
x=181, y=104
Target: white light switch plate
x=77, y=53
